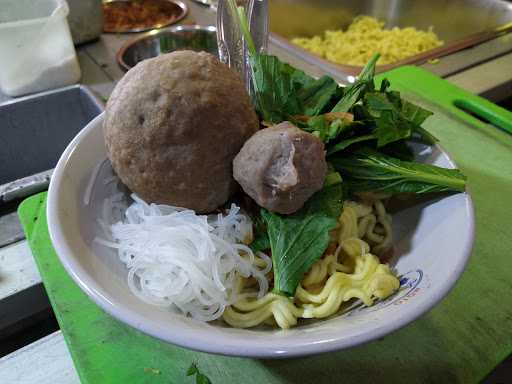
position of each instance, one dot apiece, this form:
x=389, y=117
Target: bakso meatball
x=281, y=167
x=173, y=126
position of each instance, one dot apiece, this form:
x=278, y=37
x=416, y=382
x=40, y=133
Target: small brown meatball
x=281, y=167
x=173, y=126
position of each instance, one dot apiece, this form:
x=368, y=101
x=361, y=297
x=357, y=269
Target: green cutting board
x=461, y=340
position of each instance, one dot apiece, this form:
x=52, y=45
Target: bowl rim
x=156, y=32
x=203, y=340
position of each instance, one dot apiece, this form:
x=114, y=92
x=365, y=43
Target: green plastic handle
x=472, y=109
x=495, y=115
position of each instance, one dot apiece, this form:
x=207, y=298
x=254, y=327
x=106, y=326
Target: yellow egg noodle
x=350, y=272
x=366, y=36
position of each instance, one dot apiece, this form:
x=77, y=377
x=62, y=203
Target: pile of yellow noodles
x=366, y=36
x=350, y=272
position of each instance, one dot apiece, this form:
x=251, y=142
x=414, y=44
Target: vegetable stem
x=368, y=170
x=241, y=19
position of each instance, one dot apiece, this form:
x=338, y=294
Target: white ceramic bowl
x=433, y=241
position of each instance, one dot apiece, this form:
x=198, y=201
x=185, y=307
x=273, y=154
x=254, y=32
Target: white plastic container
x=36, y=50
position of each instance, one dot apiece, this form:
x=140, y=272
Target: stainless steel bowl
x=154, y=43
x=179, y=8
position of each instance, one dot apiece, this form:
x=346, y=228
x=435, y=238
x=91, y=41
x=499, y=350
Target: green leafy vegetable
x=332, y=177
x=192, y=370
x=326, y=127
x=354, y=92
x=399, y=149
x=323, y=129
x=412, y=112
x=274, y=88
x=300, y=239
x=395, y=119
x=282, y=91
x=384, y=85
x=368, y=170
x=261, y=241
x=316, y=94
x=348, y=142
x=200, y=377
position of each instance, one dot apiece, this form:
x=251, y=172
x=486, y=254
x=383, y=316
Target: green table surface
x=461, y=340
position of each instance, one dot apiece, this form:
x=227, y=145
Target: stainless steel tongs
x=232, y=48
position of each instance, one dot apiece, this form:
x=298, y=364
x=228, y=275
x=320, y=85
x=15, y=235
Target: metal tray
x=34, y=131
x=179, y=6
x=459, y=23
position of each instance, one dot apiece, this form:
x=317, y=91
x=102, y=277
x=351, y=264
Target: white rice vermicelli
x=179, y=259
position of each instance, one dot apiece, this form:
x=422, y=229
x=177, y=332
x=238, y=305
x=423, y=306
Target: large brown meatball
x=281, y=167
x=173, y=125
